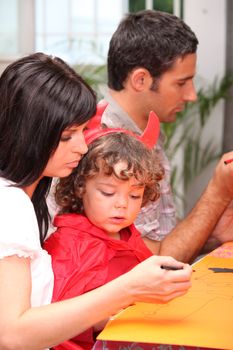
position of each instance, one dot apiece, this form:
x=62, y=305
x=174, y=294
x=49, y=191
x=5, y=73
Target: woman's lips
x=73, y=164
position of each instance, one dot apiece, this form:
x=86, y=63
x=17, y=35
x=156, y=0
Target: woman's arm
x=24, y=328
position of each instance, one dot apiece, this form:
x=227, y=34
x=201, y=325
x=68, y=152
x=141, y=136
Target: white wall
x=20, y=23
x=207, y=18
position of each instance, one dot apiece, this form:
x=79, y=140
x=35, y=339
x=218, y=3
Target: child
x=96, y=240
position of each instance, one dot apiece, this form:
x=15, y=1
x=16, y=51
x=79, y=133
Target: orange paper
x=202, y=318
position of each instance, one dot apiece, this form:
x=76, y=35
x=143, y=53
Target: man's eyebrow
x=185, y=78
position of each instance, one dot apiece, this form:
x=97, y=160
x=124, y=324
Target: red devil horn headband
x=94, y=130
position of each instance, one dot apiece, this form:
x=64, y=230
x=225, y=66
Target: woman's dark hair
x=103, y=154
x=40, y=96
x=149, y=39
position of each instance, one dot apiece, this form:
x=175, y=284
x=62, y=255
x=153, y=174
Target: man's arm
x=187, y=239
x=153, y=245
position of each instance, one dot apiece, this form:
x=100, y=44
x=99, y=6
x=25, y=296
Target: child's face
x=112, y=204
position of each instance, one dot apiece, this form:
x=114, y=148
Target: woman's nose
x=80, y=146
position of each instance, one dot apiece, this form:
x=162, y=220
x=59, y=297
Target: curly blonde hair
x=103, y=155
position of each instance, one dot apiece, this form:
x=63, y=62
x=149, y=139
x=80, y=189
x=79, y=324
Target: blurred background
x=79, y=32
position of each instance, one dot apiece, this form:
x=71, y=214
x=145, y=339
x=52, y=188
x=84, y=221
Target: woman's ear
x=140, y=79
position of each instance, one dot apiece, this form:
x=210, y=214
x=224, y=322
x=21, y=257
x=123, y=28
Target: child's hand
x=148, y=282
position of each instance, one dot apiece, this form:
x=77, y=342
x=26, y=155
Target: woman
x=44, y=108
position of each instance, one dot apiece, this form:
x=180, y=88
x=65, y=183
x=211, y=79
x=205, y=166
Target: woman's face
x=67, y=155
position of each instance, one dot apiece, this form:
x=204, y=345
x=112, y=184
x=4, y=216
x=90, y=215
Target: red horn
x=149, y=137
x=152, y=130
x=95, y=121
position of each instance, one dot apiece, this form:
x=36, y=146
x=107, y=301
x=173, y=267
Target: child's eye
x=107, y=194
x=134, y=196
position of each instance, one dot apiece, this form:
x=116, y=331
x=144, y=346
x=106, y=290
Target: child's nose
x=121, y=202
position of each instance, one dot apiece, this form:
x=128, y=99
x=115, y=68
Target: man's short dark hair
x=149, y=39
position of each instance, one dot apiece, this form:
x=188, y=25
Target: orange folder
x=203, y=317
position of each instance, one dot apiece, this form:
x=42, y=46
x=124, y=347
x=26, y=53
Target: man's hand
x=223, y=231
x=223, y=177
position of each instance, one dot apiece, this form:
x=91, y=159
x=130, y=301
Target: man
x=151, y=66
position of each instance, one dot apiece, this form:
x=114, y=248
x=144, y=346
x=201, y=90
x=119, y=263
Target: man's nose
x=190, y=93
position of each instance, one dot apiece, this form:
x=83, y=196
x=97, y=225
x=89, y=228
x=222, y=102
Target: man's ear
x=140, y=79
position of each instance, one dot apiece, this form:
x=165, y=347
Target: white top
x=19, y=235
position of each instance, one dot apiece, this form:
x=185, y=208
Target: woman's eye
x=65, y=138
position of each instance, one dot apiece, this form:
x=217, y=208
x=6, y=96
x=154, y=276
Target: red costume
x=84, y=257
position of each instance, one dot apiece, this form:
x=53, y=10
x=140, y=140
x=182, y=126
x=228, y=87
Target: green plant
x=95, y=76
x=188, y=134
x=161, y=5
